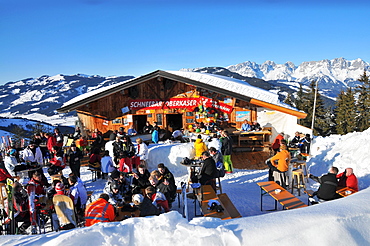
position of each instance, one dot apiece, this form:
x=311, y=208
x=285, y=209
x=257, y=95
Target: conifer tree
x=345, y=112
x=322, y=121
x=363, y=103
x=288, y=100
x=299, y=99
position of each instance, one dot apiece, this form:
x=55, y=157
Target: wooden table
x=284, y=197
x=346, y=191
x=206, y=193
x=261, y=136
x=122, y=214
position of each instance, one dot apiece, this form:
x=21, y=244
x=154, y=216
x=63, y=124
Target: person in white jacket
x=32, y=154
x=142, y=151
x=10, y=162
x=215, y=142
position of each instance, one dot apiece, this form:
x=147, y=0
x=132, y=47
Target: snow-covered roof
x=228, y=86
x=233, y=85
x=94, y=92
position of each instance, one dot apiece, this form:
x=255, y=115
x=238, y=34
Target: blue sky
x=118, y=37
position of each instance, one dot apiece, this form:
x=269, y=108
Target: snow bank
x=351, y=150
x=341, y=222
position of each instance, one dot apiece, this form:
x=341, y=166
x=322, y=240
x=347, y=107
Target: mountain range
x=332, y=75
x=42, y=96
x=47, y=93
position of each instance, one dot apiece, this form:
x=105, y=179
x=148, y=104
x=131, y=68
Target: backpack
x=220, y=170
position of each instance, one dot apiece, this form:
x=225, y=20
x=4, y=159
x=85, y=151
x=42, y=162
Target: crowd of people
x=129, y=184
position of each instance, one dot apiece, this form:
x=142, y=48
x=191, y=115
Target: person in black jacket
x=208, y=171
x=328, y=185
x=74, y=156
x=128, y=146
x=141, y=179
x=166, y=174
x=226, y=150
x=148, y=128
x=165, y=187
x=145, y=206
x=295, y=140
x=117, y=149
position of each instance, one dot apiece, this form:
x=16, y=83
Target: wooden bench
x=284, y=197
x=229, y=206
x=85, y=162
x=206, y=193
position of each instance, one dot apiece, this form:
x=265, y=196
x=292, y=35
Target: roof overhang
x=298, y=114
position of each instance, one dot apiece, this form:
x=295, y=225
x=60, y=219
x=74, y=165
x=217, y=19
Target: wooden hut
x=175, y=99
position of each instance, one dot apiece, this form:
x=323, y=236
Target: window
x=117, y=121
x=189, y=121
x=159, y=119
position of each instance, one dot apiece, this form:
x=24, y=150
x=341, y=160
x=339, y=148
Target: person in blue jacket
x=155, y=135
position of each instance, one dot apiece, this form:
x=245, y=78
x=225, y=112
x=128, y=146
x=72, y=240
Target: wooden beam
x=300, y=115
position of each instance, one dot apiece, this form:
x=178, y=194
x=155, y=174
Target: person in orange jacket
x=99, y=211
x=282, y=158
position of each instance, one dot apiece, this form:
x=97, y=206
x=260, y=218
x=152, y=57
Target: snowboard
x=64, y=210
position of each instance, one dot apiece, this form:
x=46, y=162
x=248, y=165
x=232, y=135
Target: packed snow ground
x=340, y=222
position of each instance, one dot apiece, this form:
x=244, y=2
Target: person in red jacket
x=99, y=211
x=57, y=162
x=50, y=142
x=158, y=199
x=59, y=138
x=3, y=172
x=348, y=179
x=277, y=141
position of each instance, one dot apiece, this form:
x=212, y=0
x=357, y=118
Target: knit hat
x=59, y=187
x=12, y=152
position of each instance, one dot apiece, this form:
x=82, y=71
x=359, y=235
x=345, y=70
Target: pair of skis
x=10, y=205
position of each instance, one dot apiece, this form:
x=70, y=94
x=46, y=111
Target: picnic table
x=121, y=215
x=284, y=197
x=252, y=138
x=345, y=191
